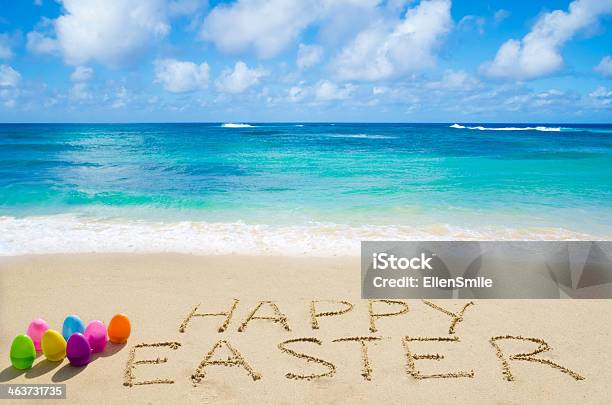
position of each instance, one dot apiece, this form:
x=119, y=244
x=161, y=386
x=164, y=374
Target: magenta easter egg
x=95, y=333
x=78, y=350
x=36, y=330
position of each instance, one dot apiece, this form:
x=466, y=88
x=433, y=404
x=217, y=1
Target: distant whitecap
x=232, y=125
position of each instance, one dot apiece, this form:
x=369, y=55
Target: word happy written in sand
x=225, y=354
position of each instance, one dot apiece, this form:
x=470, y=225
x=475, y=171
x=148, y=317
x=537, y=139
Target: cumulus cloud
x=81, y=74
x=111, y=32
x=601, y=97
x=41, y=44
x=454, y=80
x=605, y=66
x=309, y=55
x=539, y=52
x=388, y=49
x=181, y=76
x=297, y=93
x=9, y=77
x=121, y=98
x=80, y=92
x=5, y=47
x=326, y=90
x=239, y=79
x=9, y=80
x=268, y=26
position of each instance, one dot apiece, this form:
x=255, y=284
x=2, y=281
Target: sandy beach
x=339, y=361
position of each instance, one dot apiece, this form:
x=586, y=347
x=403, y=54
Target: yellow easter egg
x=53, y=345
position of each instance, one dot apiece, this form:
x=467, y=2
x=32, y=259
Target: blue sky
x=305, y=60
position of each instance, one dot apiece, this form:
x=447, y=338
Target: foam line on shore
x=78, y=234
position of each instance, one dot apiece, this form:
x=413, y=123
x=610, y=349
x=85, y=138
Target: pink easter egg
x=36, y=330
x=95, y=333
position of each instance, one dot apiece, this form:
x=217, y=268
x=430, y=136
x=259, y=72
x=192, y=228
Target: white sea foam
x=481, y=128
x=78, y=234
x=232, y=125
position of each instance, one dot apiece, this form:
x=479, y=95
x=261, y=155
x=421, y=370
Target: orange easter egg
x=119, y=329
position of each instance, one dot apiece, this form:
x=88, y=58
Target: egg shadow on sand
x=69, y=371
x=66, y=373
x=110, y=350
x=42, y=367
x=10, y=373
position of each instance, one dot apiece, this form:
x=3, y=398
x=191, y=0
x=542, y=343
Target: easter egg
x=72, y=324
x=36, y=329
x=78, y=350
x=22, y=352
x=119, y=329
x=53, y=345
x=95, y=333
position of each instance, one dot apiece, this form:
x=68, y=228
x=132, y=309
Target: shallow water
x=354, y=180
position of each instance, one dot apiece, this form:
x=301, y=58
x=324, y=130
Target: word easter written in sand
x=225, y=354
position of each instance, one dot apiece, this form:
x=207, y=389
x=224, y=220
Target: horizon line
x=300, y=122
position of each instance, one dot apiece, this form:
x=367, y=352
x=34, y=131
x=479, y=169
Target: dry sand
x=158, y=292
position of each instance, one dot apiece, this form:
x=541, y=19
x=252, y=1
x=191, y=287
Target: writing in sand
x=224, y=353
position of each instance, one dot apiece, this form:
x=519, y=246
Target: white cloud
x=39, y=43
x=297, y=93
x=181, y=76
x=601, y=97
x=539, y=52
x=605, y=66
x=326, y=90
x=112, y=32
x=9, y=80
x=268, y=26
x=388, y=49
x=309, y=55
x=500, y=15
x=5, y=47
x=454, y=80
x=9, y=96
x=122, y=98
x=9, y=77
x=81, y=74
x=239, y=79
x=377, y=90
x=80, y=92
x=472, y=22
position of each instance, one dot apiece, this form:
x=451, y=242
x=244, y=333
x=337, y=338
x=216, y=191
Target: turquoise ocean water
x=297, y=188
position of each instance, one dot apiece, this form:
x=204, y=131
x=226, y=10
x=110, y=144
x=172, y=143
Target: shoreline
x=72, y=234
x=160, y=291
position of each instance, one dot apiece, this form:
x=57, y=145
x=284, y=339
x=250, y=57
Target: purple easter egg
x=95, y=333
x=36, y=329
x=78, y=350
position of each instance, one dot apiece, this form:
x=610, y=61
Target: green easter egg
x=23, y=352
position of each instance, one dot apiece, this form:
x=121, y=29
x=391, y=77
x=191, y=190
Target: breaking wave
x=232, y=125
x=481, y=128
